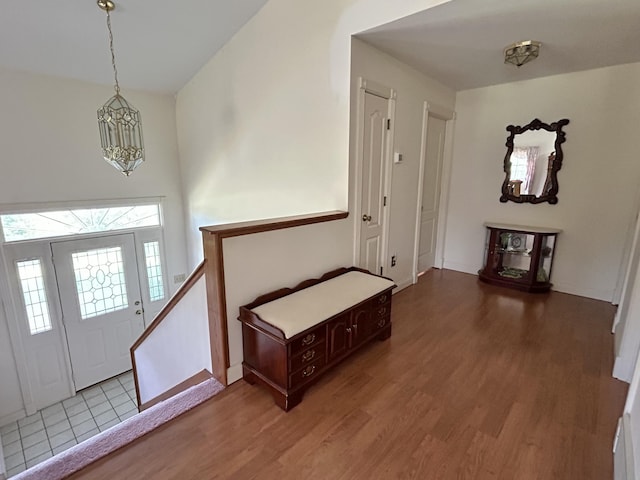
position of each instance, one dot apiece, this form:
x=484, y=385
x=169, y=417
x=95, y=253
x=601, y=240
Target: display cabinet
x=519, y=257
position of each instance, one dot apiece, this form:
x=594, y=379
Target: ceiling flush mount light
x=119, y=122
x=522, y=52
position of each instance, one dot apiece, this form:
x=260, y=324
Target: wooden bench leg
x=287, y=402
x=385, y=334
x=248, y=376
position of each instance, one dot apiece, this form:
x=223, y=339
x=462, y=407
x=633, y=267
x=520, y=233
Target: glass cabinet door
x=520, y=259
x=515, y=252
x=543, y=272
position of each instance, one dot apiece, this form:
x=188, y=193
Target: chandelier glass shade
x=522, y=52
x=119, y=122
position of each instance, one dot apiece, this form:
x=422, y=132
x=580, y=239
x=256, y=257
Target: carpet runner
x=87, y=452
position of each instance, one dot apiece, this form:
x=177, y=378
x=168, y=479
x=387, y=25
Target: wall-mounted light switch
x=181, y=277
x=397, y=157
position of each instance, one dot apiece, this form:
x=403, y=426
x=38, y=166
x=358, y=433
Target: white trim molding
x=444, y=172
x=368, y=86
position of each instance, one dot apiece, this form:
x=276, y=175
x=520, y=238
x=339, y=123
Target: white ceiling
x=159, y=44
x=461, y=43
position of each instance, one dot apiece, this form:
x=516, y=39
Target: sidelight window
x=34, y=294
x=154, y=270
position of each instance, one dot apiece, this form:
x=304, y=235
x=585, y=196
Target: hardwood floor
x=476, y=382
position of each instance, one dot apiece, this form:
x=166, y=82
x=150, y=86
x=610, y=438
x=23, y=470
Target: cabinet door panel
x=338, y=337
x=360, y=325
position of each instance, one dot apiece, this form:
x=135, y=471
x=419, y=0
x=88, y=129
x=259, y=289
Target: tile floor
x=63, y=425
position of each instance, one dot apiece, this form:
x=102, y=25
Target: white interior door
x=374, y=151
x=434, y=151
x=101, y=304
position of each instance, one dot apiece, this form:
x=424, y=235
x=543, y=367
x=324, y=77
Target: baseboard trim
x=12, y=417
x=407, y=282
x=596, y=294
x=461, y=267
x=234, y=373
x=622, y=371
x=196, y=379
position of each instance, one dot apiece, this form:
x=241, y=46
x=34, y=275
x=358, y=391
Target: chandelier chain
x=113, y=55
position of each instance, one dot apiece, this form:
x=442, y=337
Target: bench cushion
x=301, y=310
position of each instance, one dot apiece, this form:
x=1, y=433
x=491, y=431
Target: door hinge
x=380, y=270
x=384, y=201
x=388, y=124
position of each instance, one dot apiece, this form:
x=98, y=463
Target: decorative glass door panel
x=100, y=281
x=101, y=304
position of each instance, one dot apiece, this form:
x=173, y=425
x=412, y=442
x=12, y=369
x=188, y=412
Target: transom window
x=31, y=226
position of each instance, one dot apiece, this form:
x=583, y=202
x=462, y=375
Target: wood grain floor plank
x=476, y=382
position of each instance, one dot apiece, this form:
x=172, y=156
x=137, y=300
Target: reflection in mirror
x=534, y=156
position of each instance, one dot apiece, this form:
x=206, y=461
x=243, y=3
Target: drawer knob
x=308, y=355
x=307, y=372
x=382, y=311
x=382, y=323
x=309, y=339
x=382, y=299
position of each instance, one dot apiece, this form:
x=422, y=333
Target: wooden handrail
x=227, y=230
x=173, y=301
x=162, y=314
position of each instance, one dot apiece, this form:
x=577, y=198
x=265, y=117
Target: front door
x=374, y=152
x=434, y=151
x=101, y=304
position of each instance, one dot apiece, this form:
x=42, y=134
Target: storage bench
x=293, y=335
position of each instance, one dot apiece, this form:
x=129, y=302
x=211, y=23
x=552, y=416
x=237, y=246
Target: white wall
x=51, y=150
x=178, y=348
x=263, y=262
x=598, y=181
x=50, y=153
x=412, y=90
x=263, y=128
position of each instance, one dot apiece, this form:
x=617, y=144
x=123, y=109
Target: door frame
x=12, y=305
x=67, y=294
x=449, y=116
x=368, y=86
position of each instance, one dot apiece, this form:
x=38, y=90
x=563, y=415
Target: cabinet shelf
x=519, y=257
x=522, y=253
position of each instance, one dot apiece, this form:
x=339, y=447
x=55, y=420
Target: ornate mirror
x=534, y=156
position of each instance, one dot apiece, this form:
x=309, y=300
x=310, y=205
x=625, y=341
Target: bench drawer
x=381, y=311
x=382, y=298
x=308, y=356
x=306, y=373
x=308, y=339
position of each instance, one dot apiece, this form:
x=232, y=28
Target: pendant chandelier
x=119, y=122
x=522, y=52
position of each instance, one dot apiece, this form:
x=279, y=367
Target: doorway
x=429, y=224
x=101, y=304
x=77, y=293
